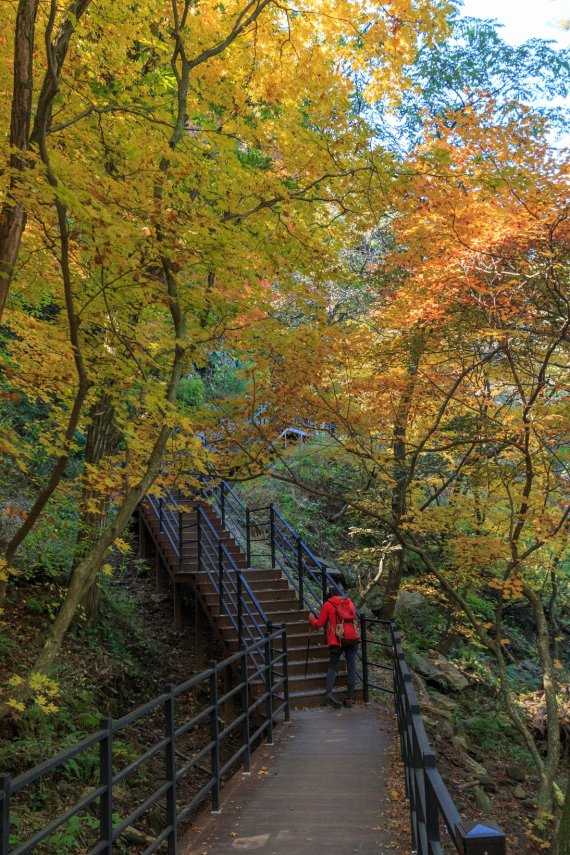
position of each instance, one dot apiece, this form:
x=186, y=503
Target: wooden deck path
x=319, y=789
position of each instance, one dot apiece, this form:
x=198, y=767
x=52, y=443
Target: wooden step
x=316, y=698
x=276, y=583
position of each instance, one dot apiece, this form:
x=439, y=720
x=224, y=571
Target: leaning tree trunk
x=101, y=440
x=396, y=560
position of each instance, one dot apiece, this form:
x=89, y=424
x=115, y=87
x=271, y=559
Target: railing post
x=245, y=712
x=365, y=675
x=214, y=738
x=170, y=768
x=272, y=533
x=269, y=685
x=199, y=536
x=5, y=792
x=221, y=574
x=180, y=540
x=300, y=570
x=431, y=808
x=484, y=836
x=160, y=513
x=248, y=536
x=416, y=796
x=239, y=611
x=223, y=504
x=106, y=781
x=285, y=670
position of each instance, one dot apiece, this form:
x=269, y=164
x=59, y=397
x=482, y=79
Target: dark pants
x=335, y=654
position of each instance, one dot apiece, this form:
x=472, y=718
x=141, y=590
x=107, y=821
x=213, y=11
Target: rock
x=439, y=712
x=482, y=800
x=460, y=744
x=159, y=598
x=519, y=792
x=456, y=680
x=409, y=601
x=487, y=783
x=425, y=668
x=133, y=835
x=515, y=773
x=442, y=701
x=445, y=729
x=475, y=768
x=440, y=671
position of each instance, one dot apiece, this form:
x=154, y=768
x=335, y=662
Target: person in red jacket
x=328, y=618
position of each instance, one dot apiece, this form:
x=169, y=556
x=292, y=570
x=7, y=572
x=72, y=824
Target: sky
x=524, y=19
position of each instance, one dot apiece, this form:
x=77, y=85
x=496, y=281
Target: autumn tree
x=451, y=393
x=173, y=161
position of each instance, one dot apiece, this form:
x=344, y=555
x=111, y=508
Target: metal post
x=248, y=537
x=142, y=535
x=5, y=791
x=160, y=513
x=245, y=712
x=106, y=781
x=221, y=575
x=269, y=685
x=223, y=504
x=214, y=738
x=484, y=836
x=285, y=670
x=180, y=541
x=300, y=570
x=239, y=611
x=170, y=766
x=365, y=675
x=272, y=533
x=416, y=794
x=431, y=807
x=199, y=536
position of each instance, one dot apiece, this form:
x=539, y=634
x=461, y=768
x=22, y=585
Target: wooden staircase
x=271, y=595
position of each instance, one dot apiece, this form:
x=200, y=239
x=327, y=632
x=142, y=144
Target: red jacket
x=327, y=616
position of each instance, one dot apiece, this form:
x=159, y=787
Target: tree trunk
x=101, y=440
x=401, y=476
x=564, y=827
x=85, y=573
x=545, y=798
x=13, y=216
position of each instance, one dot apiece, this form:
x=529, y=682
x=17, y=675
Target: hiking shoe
x=330, y=699
x=347, y=702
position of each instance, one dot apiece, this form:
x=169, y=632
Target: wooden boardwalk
x=319, y=789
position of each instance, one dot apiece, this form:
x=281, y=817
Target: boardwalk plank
x=319, y=789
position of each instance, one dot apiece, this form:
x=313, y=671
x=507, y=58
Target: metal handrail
x=215, y=559
x=273, y=650
x=430, y=802
x=299, y=564
x=429, y=798
x=233, y=513
x=240, y=585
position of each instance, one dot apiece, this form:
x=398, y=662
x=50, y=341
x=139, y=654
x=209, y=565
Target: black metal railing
x=250, y=527
x=437, y=827
x=199, y=538
x=234, y=515
x=210, y=746
x=307, y=574
x=436, y=824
